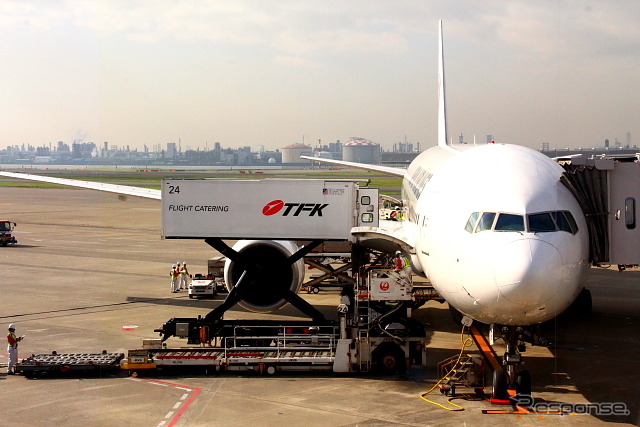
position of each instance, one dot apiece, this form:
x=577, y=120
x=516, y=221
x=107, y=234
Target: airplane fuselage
x=497, y=233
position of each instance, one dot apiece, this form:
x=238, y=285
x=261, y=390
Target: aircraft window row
x=535, y=223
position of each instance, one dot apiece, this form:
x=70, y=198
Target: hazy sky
x=276, y=72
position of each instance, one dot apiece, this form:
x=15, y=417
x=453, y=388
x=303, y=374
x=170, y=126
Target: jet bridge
x=608, y=190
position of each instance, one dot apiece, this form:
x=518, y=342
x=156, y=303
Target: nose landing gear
x=507, y=382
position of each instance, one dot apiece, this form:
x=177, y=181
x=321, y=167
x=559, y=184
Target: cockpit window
x=509, y=222
x=542, y=222
x=471, y=223
x=572, y=222
x=536, y=223
x=561, y=221
x=486, y=221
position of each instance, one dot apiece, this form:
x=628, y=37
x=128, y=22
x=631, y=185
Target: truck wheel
x=389, y=359
x=315, y=289
x=190, y=296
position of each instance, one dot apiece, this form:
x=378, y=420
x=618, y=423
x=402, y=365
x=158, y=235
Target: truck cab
x=6, y=227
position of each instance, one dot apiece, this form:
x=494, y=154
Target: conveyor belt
x=241, y=355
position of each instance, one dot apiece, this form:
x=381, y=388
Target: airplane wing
x=112, y=188
x=375, y=168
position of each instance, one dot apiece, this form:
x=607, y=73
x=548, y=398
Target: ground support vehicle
x=374, y=332
x=210, y=284
x=6, y=238
x=42, y=365
x=202, y=286
x=276, y=225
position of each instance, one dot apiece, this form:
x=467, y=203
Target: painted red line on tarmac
x=185, y=406
x=196, y=392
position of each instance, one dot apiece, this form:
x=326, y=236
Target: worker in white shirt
x=184, y=276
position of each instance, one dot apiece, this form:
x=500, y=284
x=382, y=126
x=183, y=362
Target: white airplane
x=496, y=232
x=498, y=235
x=492, y=227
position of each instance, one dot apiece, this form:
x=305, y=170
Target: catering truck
x=291, y=209
x=275, y=224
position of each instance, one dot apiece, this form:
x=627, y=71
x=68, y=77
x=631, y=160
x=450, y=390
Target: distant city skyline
x=269, y=73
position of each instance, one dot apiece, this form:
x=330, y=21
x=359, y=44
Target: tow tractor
x=6, y=227
x=212, y=283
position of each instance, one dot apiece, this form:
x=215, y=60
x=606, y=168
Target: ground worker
x=184, y=276
x=12, y=348
x=179, y=264
x=403, y=268
x=174, y=274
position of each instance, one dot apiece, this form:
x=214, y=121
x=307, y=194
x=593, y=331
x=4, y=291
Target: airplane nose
x=528, y=271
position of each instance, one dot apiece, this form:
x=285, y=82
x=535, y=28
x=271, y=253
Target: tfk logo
x=295, y=209
x=272, y=207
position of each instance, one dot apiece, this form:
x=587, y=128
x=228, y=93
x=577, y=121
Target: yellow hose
x=464, y=344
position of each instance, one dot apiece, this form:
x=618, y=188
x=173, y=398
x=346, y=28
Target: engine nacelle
x=277, y=275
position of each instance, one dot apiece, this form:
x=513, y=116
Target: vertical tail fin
x=442, y=106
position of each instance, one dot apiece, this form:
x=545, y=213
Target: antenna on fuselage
x=442, y=107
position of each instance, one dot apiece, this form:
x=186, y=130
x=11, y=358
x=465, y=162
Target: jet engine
x=269, y=272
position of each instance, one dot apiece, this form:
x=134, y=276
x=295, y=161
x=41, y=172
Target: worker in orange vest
x=12, y=348
x=403, y=268
x=174, y=273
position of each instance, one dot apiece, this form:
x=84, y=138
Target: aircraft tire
x=523, y=383
x=499, y=388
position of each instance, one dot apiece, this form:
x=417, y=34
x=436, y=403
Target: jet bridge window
x=509, y=222
x=630, y=212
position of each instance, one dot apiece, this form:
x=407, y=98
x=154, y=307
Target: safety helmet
x=174, y=266
x=398, y=252
x=178, y=263
x=184, y=262
x=12, y=326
